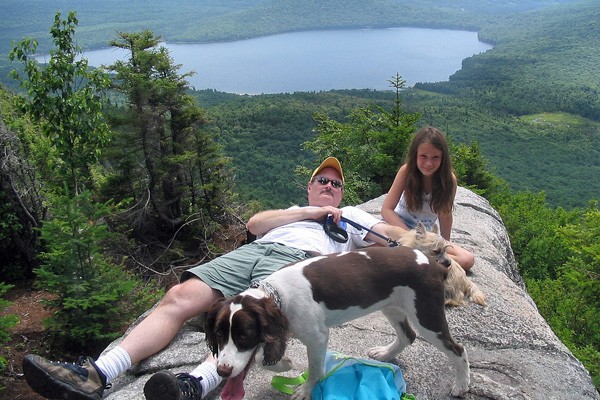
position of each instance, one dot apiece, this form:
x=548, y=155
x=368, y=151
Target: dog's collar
x=269, y=289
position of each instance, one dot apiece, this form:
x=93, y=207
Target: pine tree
x=166, y=161
x=65, y=97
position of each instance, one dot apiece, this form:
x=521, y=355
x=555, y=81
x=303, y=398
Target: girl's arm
x=445, y=218
x=445, y=221
x=386, y=230
x=392, y=199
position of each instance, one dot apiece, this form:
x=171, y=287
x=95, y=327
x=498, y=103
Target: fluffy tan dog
x=458, y=286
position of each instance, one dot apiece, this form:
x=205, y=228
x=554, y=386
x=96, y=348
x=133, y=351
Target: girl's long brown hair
x=441, y=190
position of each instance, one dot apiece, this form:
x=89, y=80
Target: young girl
x=424, y=190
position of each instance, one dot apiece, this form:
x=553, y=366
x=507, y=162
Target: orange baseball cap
x=329, y=162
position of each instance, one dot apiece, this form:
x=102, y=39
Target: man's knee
x=190, y=297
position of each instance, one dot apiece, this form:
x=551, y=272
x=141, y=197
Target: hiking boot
x=65, y=381
x=164, y=385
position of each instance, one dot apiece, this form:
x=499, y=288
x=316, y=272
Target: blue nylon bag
x=352, y=378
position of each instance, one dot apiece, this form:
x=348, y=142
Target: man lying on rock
x=284, y=236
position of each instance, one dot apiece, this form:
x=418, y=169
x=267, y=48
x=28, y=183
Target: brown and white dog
x=308, y=297
x=458, y=286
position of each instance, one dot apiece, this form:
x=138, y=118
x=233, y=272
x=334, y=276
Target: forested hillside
x=540, y=87
x=264, y=136
x=531, y=102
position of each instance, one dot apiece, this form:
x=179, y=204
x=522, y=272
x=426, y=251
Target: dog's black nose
x=224, y=370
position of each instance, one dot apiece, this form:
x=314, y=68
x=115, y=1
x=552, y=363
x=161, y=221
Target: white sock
x=114, y=363
x=210, y=378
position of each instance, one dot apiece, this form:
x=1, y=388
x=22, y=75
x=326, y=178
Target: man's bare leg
x=155, y=332
x=88, y=379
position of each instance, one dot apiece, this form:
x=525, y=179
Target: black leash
x=335, y=232
x=341, y=236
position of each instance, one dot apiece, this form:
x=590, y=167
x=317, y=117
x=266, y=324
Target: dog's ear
x=274, y=331
x=210, y=325
x=421, y=231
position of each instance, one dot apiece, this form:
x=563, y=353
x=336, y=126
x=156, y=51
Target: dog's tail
x=476, y=295
x=453, y=302
x=458, y=288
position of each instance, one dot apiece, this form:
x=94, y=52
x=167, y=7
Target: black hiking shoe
x=165, y=385
x=65, y=381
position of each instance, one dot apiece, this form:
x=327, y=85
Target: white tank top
x=412, y=218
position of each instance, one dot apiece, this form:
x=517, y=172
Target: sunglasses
x=324, y=181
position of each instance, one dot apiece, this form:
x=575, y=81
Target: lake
x=319, y=60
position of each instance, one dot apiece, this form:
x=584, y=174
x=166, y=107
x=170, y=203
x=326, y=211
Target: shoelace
x=80, y=363
x=190, y=386
x=75, y=367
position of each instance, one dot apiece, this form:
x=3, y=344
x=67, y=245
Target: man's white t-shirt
x=310, y=236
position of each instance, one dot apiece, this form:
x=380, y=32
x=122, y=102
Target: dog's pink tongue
x=234, y=387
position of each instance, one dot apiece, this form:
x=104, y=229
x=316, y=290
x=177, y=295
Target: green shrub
x=6, y=322
x=558, y=254
x=96, y=297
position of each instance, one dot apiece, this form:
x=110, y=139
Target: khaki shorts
x=232, y=273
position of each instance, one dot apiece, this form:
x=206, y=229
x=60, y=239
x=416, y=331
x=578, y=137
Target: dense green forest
x=147, y=174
